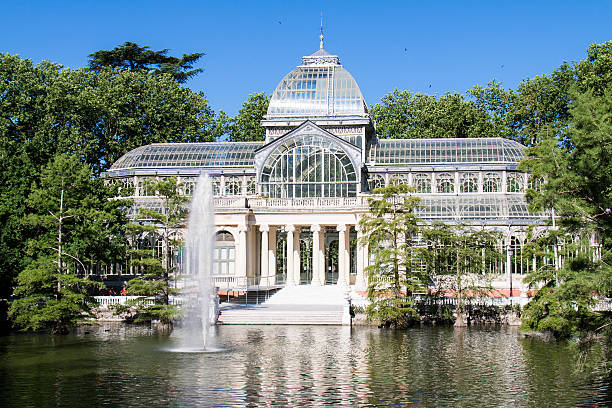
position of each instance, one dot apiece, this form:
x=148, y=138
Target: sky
x=430, y=47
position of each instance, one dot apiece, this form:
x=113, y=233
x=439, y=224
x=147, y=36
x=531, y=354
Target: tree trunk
x=59, y=242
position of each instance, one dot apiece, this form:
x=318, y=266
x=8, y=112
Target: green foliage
x=154, y=287
x=576, y=168
x=72, y=222
x=390, y=229
x=245, y=126
x=397, y=312
x=404, y=115
x=135, y=58
x=48, y=110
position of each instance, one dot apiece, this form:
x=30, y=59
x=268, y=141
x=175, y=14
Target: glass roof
x=164, y=155
x=319, y=87
x=473, y=150
x=475, y=207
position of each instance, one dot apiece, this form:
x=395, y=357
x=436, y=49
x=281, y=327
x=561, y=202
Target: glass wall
x=308, y=166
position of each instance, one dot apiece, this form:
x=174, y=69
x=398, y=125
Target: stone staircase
x=310, y=305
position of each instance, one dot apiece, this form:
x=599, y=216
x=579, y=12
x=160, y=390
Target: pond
x=121, y=365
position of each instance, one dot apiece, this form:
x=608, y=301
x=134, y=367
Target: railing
x=230, y=202
x=311, y=202
x=108, y=301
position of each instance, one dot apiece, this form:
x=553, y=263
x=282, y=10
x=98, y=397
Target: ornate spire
x=321, y=36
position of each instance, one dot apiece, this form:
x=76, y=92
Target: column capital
x=315, y=228
x=290, y=228
x=243, y=228
x=341, y=228
x=264, y=227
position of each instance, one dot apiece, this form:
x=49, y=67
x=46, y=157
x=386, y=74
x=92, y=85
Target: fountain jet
x=198, y=252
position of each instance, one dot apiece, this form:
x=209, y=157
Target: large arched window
x=397, y=179
x=232, y=186
x=491, y=183
x=376, y=181
x=422, y=182
x=514, y=183
x=308, y=166
x=468, y=183
x=445, y=183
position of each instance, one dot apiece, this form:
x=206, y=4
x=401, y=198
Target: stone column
x=508, y=264
x=264, y=269
x=296, y=255
x=316, y=280
x=290, y=229
x=342, y=258
x=272, y=256
x=242, y=252
x=360, y=279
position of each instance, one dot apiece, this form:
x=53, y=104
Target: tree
x=246, y=125
x=47, y=110
x=576, y=170
x=404, y=115
x=154, y=286
x=135, y=58
x=391, y=229
x=70, y=213
x=458, y=256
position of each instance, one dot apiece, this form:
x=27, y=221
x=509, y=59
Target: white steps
x=282, y=315
x=304, y=304
x=309, y=295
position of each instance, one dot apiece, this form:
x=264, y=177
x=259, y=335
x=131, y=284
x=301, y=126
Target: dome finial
x=321, y=36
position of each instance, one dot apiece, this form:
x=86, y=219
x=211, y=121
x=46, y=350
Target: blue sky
x=430, y=47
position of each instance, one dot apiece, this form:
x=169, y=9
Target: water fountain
x=198, y=250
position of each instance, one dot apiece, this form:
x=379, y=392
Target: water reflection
x=296, y=366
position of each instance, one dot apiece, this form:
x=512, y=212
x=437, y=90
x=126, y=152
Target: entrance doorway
x=331, y=256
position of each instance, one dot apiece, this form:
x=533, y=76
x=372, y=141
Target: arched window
x=308, y=166
x=251, y=185
x=514, y=183
x=422, y=182
x=535, y=183
x=232, y=186
x=445, y=183
x=375, y=181
x=225, y=254
x=397, y=179
x=491, y=183
x=468, y=183
x=216, y=184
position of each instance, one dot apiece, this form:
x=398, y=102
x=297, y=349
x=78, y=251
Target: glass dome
x=317, y=88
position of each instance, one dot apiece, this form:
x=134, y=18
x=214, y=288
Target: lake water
x=118, y=365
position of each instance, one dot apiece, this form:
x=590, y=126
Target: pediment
x=308, y=128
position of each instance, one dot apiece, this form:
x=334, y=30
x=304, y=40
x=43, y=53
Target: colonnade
x=268, y=254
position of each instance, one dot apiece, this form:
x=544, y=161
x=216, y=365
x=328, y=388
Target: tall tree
x=135, y=58
x=404, y=115
x=70, y=213
x=47, y=110
x=576, y=169
x=391, y=228
x=245, y=126
x=162, y=226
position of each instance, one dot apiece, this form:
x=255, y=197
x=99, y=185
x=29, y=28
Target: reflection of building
x=288, y=208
